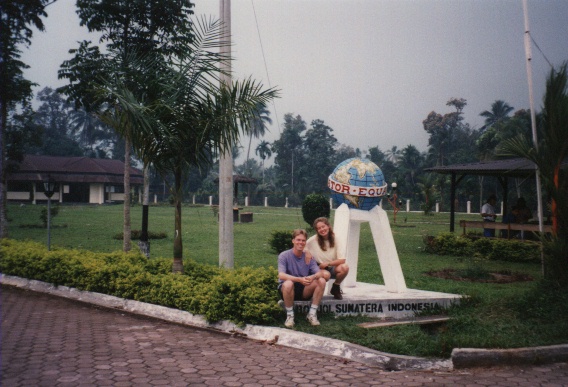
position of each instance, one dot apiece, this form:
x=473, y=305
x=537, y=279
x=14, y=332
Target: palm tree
x=549, y=155
x=499, y=111
x=264, y=151
x=393, y=155
x=258, y=125
x=191, y=114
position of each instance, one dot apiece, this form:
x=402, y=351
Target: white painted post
x=155, y=198
x=210, y=200
x=469, y=206
x=246, y=201
x=286, y=205
x=193, y=201
x=407, y=205
x=347, y=228
x=437, y=206
x=266, y=201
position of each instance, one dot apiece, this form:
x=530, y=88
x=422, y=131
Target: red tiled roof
x=74, y=170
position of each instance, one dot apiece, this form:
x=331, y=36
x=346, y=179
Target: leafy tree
x=288, y=151
x=319, y=160
x=54, y=115
x=161, y=29
x=376, y=155
x=442, y=130
x=344, y=152
x=17, y=17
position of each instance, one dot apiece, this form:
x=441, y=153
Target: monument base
x=375, y=301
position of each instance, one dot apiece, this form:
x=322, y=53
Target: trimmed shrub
x=315, y=206
x=280, y=241
x=244, y=295
x=483, y=248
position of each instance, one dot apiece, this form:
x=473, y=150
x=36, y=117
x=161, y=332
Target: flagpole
x=528, y=55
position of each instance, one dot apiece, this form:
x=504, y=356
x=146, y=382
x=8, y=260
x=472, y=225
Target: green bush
x=244, y=295
x=483, y=248
x=315, y=206
x=280, y=241
x=54, y=211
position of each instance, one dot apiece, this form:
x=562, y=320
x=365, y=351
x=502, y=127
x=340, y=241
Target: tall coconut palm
x=499, y=111
x=258, y=125
x=393, y=154
x=264, y=151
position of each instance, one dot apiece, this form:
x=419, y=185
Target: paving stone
x=51, y=341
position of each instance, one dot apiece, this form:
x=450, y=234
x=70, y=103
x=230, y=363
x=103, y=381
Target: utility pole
x=226, y=240
x=528, y=55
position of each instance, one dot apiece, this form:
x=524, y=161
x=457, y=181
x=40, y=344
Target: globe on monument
x=357, y=182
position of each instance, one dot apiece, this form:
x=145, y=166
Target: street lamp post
x=49, y=190
x=392, y=198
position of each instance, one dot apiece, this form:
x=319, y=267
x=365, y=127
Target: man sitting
x=299, y=278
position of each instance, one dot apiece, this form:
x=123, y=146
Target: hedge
x=242, y=296
x=493, y=249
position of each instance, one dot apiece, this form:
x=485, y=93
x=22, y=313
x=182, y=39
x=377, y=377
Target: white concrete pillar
x=437, y=206
x=246, y=201
x=407, y=205
x=286, y=205
x=266, y=201
x=210, y=200
x=193, y=199
x=155, y=199
x=469, y=206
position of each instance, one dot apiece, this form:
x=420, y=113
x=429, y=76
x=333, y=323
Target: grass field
x=497, y=315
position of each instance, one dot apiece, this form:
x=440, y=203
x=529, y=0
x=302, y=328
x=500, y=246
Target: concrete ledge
x=474, y=357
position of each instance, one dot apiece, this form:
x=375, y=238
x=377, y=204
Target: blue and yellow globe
x=357, y=182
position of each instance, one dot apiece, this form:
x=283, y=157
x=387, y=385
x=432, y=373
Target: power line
x=265, y=66
x=542, y=53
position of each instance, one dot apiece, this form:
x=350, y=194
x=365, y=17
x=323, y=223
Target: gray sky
x=371, y=69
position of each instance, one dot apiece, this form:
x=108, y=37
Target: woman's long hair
x=330, y=234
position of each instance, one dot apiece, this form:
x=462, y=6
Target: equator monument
x=357, y=185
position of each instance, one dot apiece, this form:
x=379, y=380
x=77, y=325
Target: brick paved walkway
x=51, y=341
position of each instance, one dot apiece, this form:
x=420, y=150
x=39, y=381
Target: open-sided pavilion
x=500, y=169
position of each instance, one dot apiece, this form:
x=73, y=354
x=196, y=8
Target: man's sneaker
x=289, y=322
x=336, y=292
x=313, y=319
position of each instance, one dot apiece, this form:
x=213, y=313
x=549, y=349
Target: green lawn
x=497, y=315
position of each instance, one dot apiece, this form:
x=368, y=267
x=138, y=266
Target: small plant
x=280, y=241
x=43, y=216
x=315, y=206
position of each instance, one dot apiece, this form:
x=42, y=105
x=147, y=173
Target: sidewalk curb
x=461, y=357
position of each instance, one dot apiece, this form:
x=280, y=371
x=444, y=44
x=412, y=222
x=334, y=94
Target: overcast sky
x=370, y=69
